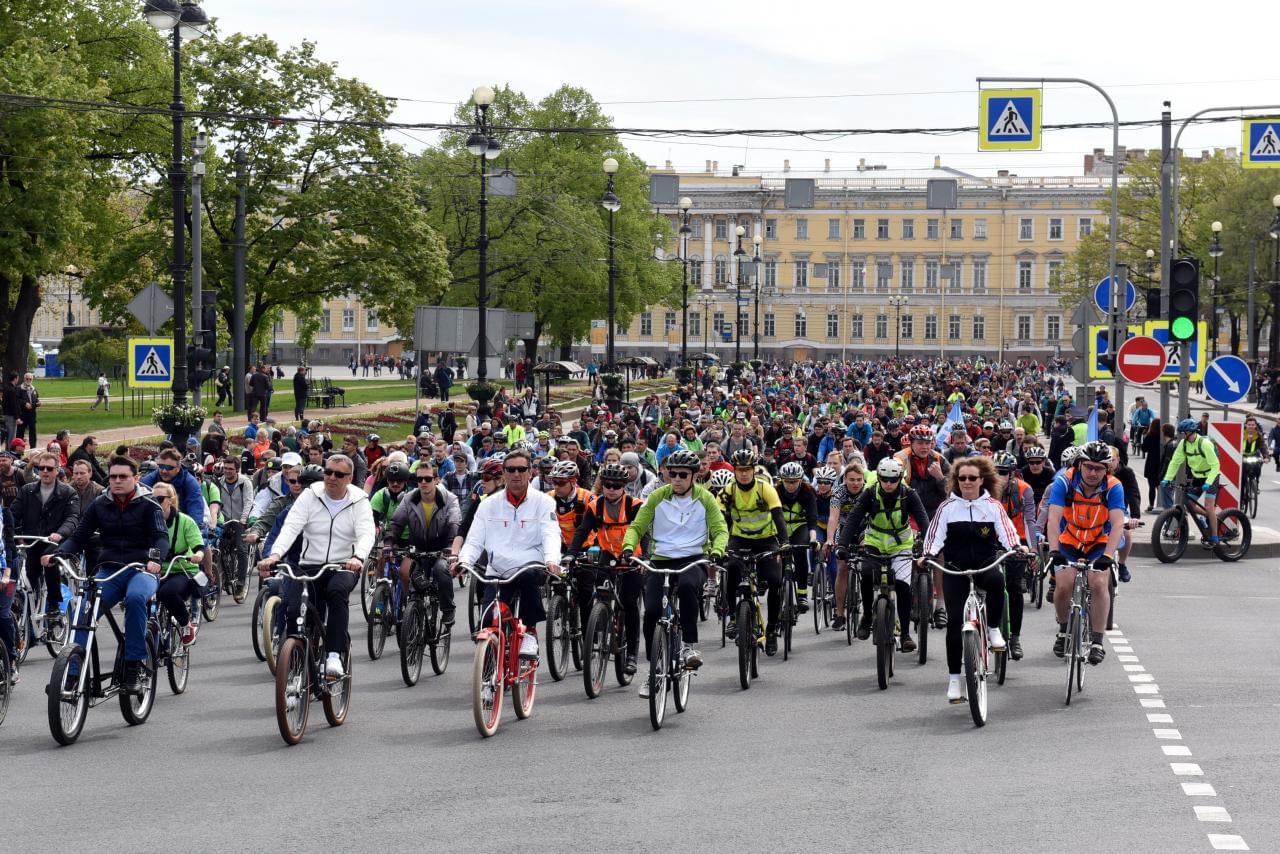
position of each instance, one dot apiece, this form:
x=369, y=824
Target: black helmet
x=397, y=472
x=310, y=474
x=743, y=458
x=1096, y=452
x=683, y=459
x=613, y=473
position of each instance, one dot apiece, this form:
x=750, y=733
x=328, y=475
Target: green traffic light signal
x=1183, y=328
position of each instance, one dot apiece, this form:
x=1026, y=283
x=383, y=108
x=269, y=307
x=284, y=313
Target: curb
x=1195, y=554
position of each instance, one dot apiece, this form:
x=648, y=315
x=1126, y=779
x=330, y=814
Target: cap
x=374, y=437
x=458, y=455
x=988, y=424
x=291, y=458
x=630, y=458
x=192, y=440
x=17, y=443
x=424, y=433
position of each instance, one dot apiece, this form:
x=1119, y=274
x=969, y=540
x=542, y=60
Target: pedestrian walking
x=104, y=393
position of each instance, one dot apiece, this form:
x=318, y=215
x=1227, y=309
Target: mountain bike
x=77, y=682
x=1079, y=627
x=385, y=603
x=819, y=594
x=1039, y=571
x=606, y=634
x=921, y=602
x=667, y=671
x=884, y=613
x=789, y=613
x=300, y=667
x=31, y=621
x=750, y=621
x=852, y=593
x=498, y=666
x=166, y=636
x=1172, y=530
x=226, y=561
x=370, y=574
x=422, y=626
x=564, y=623
x=1251, y=468
x=975, y=648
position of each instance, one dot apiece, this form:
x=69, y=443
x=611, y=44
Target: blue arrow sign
x=1102, y=295
x=1228, y=379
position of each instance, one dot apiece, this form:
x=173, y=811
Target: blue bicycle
x=386, y=603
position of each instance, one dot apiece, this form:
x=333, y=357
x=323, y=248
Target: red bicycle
x=498, y=665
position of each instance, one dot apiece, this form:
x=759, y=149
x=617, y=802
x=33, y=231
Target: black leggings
x=173, y=593
x=901, y=594
x=50, y=576
x=955, y=590
x=332, y=589
x=687, y=584
x=800, y=537
x=1013, y=572
x=529, y=588
x=628, y=587
x=768, y=576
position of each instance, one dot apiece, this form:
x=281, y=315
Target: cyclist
x=384, y=502
x=1201, y=458
x=1086, y=520
x=237, y=496
x=516, y=526
x=824, y=479
x=336, y=526
x=428, y=519
x=571, y=506
x=1018, y=499
x=685, y=523
x=177, y=588
x=718, y=480
x=1253, y=444
x=844, y=497
x=884, y=513
x=753, y=513
x=972, y=528
x=607, y=518
x=1037, y=473
x=45, y=508
x=131, y=529
x=8, y=587
x=800, y=512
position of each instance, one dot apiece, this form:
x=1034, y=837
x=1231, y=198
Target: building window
x=953, y=273
x=931, y=275
x=1053, y=274
x=1026, y=228
x=979, y=277
x=646, y=324
x=855, y=326
x=802, y=274
x=278, y=326
x=695, y=324
x=326, y=321
x=1024, y=275
x=833, y=325
x=931, y=229
x=857, y=275
x=1024, y=327
x=717, y=323
x=722, y=229
x=802, y=325
x=907, y=276
x=908, y=326
x=957, y=229
x=1084, y=227
x=953, y=327
x=1055, y=228
x=348, y=320
x=859, y=229
x=742, y=324
x=771, y=273
x=722, y=270
x=621, y=331
x=669, y=324
x=770, y=325
x=802, y=228
x=882, y=229
x=770, y=229
x=695, y=270
x=833, y=274
x=833, y=229
x=371, y=321
x=696, y=224
x=979, y=327
x=882, y=326
x=930, y=327
x=908, y=229
x=979, y=229
x=884, y=274
x=1053, y=327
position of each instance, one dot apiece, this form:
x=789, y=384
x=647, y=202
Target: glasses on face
x=291, y=480
x=968, y=478
x=1035, y=462
x=1004, y=472
x=516, y=469
x=167, y=468
x=119, y=476
x=890, y=479
x=486, y=477
x=679, y=474
x=46, y=468
x=614, y=485
x=1096, y=468
x=427, y=479
x=340, y=475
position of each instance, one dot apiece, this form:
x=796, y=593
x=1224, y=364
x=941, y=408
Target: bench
x=319, y=396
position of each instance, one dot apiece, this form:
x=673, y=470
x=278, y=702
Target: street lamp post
x=72, y=272
x=740, y=255
x=898, y=302
x=186, y=21
x=1274, y=354
x=482, y=145
x=611, y=203
x=755, y=333
x=685, y=232
x=1215, y=252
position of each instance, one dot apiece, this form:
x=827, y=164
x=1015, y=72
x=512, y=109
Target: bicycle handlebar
x=168, y=570
x=288, y=571
x=31, y=540
x=970, y=572
x=648, y=567
x=505, y=580
x=66, y=565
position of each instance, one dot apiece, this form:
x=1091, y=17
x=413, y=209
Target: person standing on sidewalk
x=299, y=393
x=29, y=407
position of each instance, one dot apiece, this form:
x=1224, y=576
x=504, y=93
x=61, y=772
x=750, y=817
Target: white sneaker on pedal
x=995, y=640
x=955, y=689
x=644, y=688
x=333, y=666
x=529, y=647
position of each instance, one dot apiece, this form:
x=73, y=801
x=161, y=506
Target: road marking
x=1199, y=790
x=1149, y=703
x=1123, y=658
x=1186, y=769
x=1168, y=733
x=1141, y=677
x=1175, y=750
x=1227, y=842
x=1212, y=813
x=1123, y=648
x=1133, y=668
x=1159, y=719
x=1146, y=689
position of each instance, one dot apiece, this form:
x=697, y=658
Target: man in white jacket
x=516, y=526
x=336, y=525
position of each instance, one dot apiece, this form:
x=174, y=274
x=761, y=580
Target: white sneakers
x=644, y=688
x=333, y=666
x=529, y=646
x=955, y=691
x=995, y=640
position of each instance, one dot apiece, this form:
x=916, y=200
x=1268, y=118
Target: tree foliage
x=90, y=352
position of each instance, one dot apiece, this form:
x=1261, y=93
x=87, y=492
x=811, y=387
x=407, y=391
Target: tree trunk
x=15, y=326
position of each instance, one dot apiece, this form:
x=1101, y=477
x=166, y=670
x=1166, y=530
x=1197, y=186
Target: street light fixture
x=685, y=231
x=898, y=302
x=1215, y=252
x=740, y=255
x=484, y=146
x=755, y=262
x=72, y=272
x=611, y=203
x=1274, y=355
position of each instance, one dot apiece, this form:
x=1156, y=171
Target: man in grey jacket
x=410, y=525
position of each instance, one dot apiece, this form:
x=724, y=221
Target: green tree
x=89, y=352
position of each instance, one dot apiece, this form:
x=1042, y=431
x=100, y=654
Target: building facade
x=866, y=268
x=348, y=329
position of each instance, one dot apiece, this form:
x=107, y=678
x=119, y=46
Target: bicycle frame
x=310, y=631
x=506, y=626
x=883, y=579
x=92, y=593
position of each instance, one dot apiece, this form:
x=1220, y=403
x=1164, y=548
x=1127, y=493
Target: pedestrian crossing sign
x=1260, y=143
x=1009, y=119
x=150, y=362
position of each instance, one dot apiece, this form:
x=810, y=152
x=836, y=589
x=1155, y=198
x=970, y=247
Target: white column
x=708, y=254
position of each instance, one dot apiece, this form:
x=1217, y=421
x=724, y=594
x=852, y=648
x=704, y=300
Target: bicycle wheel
x=293, y=690
x=681, y=677
x=852, y=606
x=522, y=690
x=659, y=664
x=56, y=635
x=597, y=640
x=411, y=643
x=818, y=598
x=788, y=617
x=368, y=581
x=270, y=638
x=22, y=624
x=1037, y=585
x=68, y=705
x=255, y=624
x=558, y=637
x=1235, y=533
x=136, y=708
x=975, y=678
x=923, y=604
x=618, y=648
x=1002, y=665
x=704, y=605
x=1074, y=659
x=1111, y=599
x=575, y=635
x=211, y=603
x=239, y=589
x=379, y=621
x=475, y=595
x=337, y=696
x=746, y=640
x=883, y=634
x=1169, y=536
x=178, y=661
x=486, y=685
x=439, y=638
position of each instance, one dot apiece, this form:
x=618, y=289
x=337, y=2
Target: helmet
x=546, y=464
x=1035, y=452
x=310, y=474
x=565, y=468
x=762, y=474
x=1070, y=455
x=1005, y=425
x=1187, y=425
x=826, y=474
x=544, y=434
x=743, y=457
x=1096, y=452
x=683, y=459
x=922, y=431
x=615, y=472
x=491, y=467
x=891, y=425
x=397, y=472
x=147, y=467
x=791, y=471
x=889, y=469
x=1005, y=460
x=720, y=478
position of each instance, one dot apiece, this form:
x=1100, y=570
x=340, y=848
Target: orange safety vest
x=1014, y=508
x=1084, y=518
x=569, y=514
x=611, y=530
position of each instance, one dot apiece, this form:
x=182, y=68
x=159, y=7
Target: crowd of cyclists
x=955, y=460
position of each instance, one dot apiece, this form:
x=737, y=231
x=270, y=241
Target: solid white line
x=1141, y=677
x=1147, y=689
x=1150, y=703
x=1127, y=658
x=1211, y=813
x=1159, y=719
x=1176, y=750
x=1199, y=790
x=1134, y=668
x=1172, y=734
x=1186, y=769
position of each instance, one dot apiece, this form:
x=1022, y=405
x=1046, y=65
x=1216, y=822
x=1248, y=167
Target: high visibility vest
x=749, y=513
x=569, y=513
x=1084, y=518
x=793, y=512
x=612, y=529
x=889, y=531
x=1014, y=507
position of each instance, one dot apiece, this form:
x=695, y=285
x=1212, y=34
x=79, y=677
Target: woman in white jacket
x=336, y=525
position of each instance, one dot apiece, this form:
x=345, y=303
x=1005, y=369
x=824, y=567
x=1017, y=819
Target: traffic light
x=201, y=356
x=1184, y=298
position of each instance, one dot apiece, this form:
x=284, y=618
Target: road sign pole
x=1119, y=328
x=1166, y=231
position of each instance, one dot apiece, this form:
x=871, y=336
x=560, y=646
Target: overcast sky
x=803, y=65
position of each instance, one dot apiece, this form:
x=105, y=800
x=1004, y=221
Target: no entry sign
x=1141, y=360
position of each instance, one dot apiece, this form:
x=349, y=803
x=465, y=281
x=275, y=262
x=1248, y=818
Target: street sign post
x=1228, y=379
x=1141, y=360
x=150, y=362
x=153, y=308
x=1009, y=119
x=1102, y=295
x=1260, y=143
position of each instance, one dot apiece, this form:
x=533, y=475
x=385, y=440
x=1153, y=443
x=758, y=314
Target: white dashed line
x=1159, y=719
x=1168, y=733
x=1227, y=842
x=1186, y=769
x=1205, y=813
x=1199, y=790
x=1175, y=750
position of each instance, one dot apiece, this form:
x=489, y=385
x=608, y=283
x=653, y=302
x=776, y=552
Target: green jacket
x=184, y=538
x=717, y=530
x=1200, y=456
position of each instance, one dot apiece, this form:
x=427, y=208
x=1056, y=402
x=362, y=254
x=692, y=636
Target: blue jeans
x=8, y=628
x=137, y=588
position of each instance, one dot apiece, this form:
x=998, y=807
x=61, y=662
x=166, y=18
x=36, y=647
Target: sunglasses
x=516, y=469
x=46, y=468
x=968, y=478
x=427, y=479
x=1004, y=472
x=119, y=476
x=680, y=474
x=340, y=475
x=613, y=485
x=487, y=477
x=167, y=468
x=890, y=479
x=291, y=480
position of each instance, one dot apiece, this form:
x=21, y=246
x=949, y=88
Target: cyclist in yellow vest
x=799, y=511
x=753, y=512
x=1201, y=458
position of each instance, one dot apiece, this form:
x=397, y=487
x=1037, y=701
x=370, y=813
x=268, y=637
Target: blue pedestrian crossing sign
x=1260, y=143
x=1009, y=119
x=1228, y=379
x=150, y=362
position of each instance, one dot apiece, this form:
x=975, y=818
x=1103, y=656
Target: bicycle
x=5, y=676
x=498, y=665
x=385, y=603
x=421, y=624
x=1039, y=572
x=211, y=594
x=261, y=641
x=975, y=648
x=884, y=613
x=564, y=632
x=1251, y=465
x=606, y=635
x=852, y=593
x=1079, y=628
x=226, y=561
x=369, y=575
x=29, y=608
x=921, y=602
x=77, y=682
x=1172, y=530
x=300, y=666
x=789, y=612
x=820, y=596
x=166, y=637
x=667, y=671
x=750, y=622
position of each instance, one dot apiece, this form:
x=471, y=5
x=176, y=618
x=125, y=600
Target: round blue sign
x=1102, y=295
x=1227, y=379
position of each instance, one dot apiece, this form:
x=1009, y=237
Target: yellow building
x=975, y=280
x=348, y=329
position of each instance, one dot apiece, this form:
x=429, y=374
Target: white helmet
x=889, y=469
x=720, y=478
